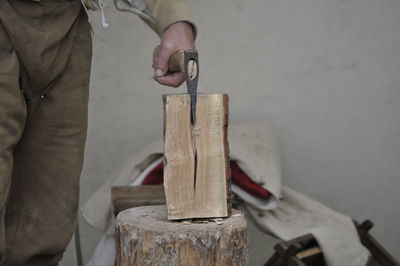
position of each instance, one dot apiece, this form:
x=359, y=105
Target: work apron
x=45, y=59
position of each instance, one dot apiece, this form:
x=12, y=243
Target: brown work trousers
x=45, y=59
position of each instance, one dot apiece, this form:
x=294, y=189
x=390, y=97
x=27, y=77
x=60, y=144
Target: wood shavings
x=218, y=221
x=202, y=222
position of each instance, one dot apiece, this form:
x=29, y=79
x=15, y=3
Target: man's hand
x=177, y=36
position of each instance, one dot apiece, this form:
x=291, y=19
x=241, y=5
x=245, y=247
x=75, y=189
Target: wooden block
x=125, y=197
x=196, y=163
x=144, y=236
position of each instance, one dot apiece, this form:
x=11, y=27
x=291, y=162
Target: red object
x=155, y=176
x=239, y=178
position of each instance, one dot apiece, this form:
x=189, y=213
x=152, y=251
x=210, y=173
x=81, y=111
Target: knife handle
x=176, y=62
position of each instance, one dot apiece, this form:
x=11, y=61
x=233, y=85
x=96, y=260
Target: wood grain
x=196, y=161
x=125, y=197
x=178, y=156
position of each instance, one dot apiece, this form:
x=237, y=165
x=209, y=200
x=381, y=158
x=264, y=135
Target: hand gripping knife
x=186, y=61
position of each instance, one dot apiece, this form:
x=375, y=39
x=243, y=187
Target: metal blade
x=192, y=77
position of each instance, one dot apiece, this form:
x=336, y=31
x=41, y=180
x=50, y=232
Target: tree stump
x=146, y=237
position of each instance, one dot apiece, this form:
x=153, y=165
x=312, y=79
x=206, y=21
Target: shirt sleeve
x=159, y=14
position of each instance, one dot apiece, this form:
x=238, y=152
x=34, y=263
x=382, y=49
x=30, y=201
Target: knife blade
x=192, y=77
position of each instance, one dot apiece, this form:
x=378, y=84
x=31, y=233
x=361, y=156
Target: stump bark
x=146, y=237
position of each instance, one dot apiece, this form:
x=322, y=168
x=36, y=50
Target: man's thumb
x=162, y=61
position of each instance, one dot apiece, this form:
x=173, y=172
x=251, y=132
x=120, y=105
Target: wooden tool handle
x=176, y=62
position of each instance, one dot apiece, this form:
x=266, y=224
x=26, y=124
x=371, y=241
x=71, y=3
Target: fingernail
x=159, y=73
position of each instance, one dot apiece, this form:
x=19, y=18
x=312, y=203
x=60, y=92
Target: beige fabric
x=166, y=12
x=158, y=14
x=254, y=147
x=298, y=215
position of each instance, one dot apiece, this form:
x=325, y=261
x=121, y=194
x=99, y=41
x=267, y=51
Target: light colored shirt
x=158, y=14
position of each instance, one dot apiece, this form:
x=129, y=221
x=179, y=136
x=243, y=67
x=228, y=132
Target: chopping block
x=145, y=236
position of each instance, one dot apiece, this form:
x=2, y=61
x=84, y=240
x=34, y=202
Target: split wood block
x=144, y=236
x=196, y=161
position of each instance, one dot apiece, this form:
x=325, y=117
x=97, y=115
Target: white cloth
x=105, y=252
x=254, y=148
x=298, y=215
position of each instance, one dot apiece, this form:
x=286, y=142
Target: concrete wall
x=324, y=74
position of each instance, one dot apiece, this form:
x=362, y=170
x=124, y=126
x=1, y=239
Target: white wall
x=325, y=74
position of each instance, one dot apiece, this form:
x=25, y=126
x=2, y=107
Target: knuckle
x=168, y=45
